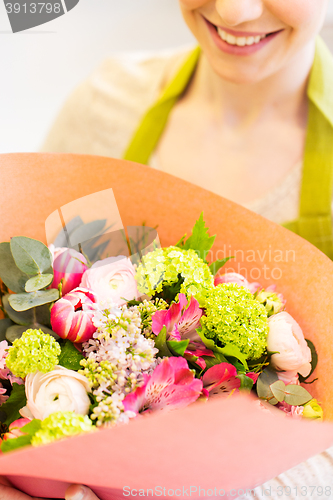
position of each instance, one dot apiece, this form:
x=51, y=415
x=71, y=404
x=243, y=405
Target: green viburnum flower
x=313, y=410
x=61, y=424
x=35, y=350
x=163, y=266
x=233, y=316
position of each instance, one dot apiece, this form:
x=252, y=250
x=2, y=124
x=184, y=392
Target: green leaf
x=179, y=347
x=32, y=427
x=70, y=357
x=314, y=360
x=170, y=292
x=234, y=351
x=27, y=317
x=87, y=232
x=14, y=403
x=4, y=325
x=265, y=380
x=200, y=241
x=161, y=343
x=10, y=274
x=246, y=382
x=181, y=242
x=216, y=266
x=15, y=443
x=278, y=389
x=25, y=301
x=38, y=282
x=210, y=361
x=31, y=256
x=296, y=395
x=15, y=332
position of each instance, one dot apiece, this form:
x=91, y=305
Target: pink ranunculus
x=285, y=337
x=58, y=390
x=112, y=278
x=15, y=428
x=171, y=386
x=290, y=377
x=180, y=320
x=69, y=266
x=231, y=278
x=72, y=315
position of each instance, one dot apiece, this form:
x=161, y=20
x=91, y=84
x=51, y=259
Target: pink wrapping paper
x=223, y=443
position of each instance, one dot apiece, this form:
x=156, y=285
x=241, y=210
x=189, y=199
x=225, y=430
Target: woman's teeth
x=241, y=41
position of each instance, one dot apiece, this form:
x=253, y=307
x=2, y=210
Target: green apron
x=315, y=214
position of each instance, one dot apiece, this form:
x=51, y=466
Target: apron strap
x=153, y=123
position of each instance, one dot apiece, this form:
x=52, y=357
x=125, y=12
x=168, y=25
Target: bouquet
x=86, y=346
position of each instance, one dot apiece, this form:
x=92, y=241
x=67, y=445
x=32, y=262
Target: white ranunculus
x=58, y=390
x=286, y=337
x=112, y=279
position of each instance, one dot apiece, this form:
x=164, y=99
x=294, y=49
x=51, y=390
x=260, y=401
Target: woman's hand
x=74, y=492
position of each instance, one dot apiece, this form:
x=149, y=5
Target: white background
x=41, y=66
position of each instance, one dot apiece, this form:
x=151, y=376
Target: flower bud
x=313, y=410
x=71, y=316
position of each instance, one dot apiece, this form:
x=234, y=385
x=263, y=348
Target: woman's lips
x=239, y=42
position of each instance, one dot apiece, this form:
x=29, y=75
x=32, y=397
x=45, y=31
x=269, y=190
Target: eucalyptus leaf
x=87, y=231
x=218, y=264
x=31, y=256
x=38, y=282
x=15, y=332
x=4, y=325
x=178, y=347
x=62, y=239
x=10, y=274
x=25, y=301
x=42, y=314
x=265, y=380
x=296, y=395
x=161, y=343
x=278, y=389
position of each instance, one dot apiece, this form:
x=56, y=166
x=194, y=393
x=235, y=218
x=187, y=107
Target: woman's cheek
x=298, y=13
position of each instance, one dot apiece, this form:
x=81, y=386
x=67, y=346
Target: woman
x=239, y=116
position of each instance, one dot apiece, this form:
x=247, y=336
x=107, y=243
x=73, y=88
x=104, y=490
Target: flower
x=35, y=350
x=5, y=373
x=233, y=316
x=290, y=377
x=313, y=410
x=112, y=278
x=59, y=425
x=171, y=385
x=290, y=410
x=72, y=315
x=15, y=428
x=231, y=278
x=180, y=320
x=3, y=398
x=222, y=378
x=286, y=338
x=273, y=302
x=68, y=266
x=59, y=390
x=166, y=266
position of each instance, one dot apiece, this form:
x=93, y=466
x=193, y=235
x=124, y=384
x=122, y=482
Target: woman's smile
x=240, y=43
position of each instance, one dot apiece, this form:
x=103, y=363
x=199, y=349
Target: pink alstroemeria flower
x=222, y=379
x=68, y=266
x=3, y=398
x=180, y=320
x=171, y=386
x=198, y=349
x=5, y=373
x=71, y=316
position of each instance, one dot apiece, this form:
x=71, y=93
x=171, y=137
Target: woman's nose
x=235, y=12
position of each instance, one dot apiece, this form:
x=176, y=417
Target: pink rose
x=286, y=337
x=72, y=316
x=112, y=278
x=69, y=266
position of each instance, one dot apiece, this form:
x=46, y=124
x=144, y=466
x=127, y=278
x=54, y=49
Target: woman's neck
x=283, y=94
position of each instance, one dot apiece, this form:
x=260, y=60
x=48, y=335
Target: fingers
x=9, y=493
x=79, y=492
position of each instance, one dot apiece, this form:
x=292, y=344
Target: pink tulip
x=69, y=266
x=15, y=428
x=71, y=316
x=180, y=320
x=171, y=386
